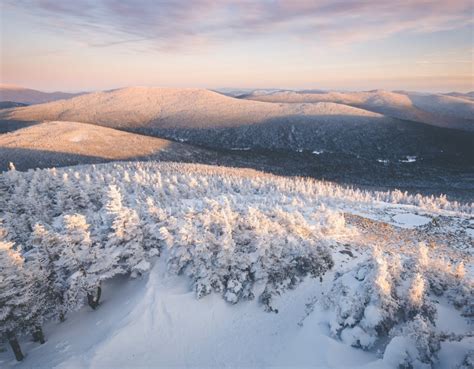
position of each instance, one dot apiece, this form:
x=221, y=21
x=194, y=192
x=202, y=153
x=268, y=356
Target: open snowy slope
x=436, y=109
x=52, y=144
x=28, y=96
x=210, y=119
x=236, y=268
x=157, y=322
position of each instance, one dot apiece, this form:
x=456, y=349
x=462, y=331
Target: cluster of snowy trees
x=385, y=302
x=62, y=266
x=227, y=248
x=42, y=195
x=65, y=232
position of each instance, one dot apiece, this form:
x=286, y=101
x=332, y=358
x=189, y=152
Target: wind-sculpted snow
x=239, y=234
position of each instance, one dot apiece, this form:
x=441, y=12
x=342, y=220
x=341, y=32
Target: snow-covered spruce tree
x=33, y=314
x=414, y=345
x=416, y=302
x=36, y=310
x=71, y=198
x=49, y=276
x=46, y=189
x=125, y=239
x=382, y=299
x=414, y=342
x=460, y=289
x=81, y=260
x=443, y=278
x=16, y=212
x=155, y=218
x=365, y=302
x=14, y=297
x=8, y=181
x=39, y=199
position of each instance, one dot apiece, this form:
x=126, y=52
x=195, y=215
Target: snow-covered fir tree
x=126, y=236
x=15, y=298
x=81, y=258
x=49, y=273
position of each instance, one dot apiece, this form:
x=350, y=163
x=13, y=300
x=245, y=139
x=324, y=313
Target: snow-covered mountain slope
x=28, y=96
x=444, y=106
x=53, y=144
x=468, y=95
x=210, y=119
x=436, y=109
x=58, y=144
x=147, y=107
x=247, y=270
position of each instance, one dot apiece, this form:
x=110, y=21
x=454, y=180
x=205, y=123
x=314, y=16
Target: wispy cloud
x=182, y=23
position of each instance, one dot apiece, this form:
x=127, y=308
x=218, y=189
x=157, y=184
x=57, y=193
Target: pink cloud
x=180, y=23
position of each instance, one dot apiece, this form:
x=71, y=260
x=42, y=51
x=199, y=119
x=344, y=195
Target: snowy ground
x=156, y=320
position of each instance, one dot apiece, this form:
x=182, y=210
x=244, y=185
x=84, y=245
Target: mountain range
x=206, y=118
x=403, y=137
x=17, y=94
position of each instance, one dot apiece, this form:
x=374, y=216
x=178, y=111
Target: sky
x=83, y=45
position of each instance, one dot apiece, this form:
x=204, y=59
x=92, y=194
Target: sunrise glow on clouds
x=84, y=45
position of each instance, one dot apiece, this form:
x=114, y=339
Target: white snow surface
x=168, y=327
x=409, y=220
x=157, y=322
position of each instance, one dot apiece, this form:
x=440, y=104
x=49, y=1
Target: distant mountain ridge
x=207, y=118
x=468, y=95
x=29, y=96
x=453, y=110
